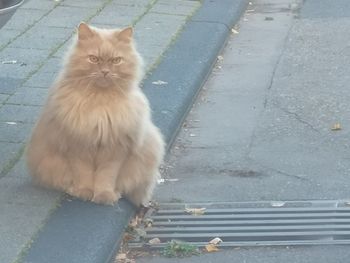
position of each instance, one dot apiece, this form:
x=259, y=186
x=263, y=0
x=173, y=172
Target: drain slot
x=252, y=224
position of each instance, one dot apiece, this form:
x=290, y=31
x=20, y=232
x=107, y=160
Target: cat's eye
x=116, y=60
x=93, y=59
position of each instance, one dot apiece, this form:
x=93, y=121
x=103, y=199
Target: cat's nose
x=105, y=72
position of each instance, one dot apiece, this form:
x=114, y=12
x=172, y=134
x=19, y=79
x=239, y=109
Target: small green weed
x=180, y=249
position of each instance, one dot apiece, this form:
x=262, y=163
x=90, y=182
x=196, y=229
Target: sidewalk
x=32, y=45
x=261, y=128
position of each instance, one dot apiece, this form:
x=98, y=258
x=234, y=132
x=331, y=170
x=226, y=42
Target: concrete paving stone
x=27, y=60
x=132, y=2
x=23, y=206
x=42, y=38
x=153, y=24
x=112, y=26
x=66, y=16
x=150, y=60
x=9, y=85
x=184, y=8
x=19, y=113
x=29, y=96
x=52, y=65
x=7, y=35
x=118, y=15
x=14, y=132
x=27, y=56
x=41, y=80
x=59, y=54
x=82, y=3
x=24, y=18
x=3, y=97
x=39, y=4
x=190, y=3
x=37, y=42
x=19, y=170
x=8, y=151
x=150, y=51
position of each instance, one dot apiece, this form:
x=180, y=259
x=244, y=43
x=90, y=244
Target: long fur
x=95, y=139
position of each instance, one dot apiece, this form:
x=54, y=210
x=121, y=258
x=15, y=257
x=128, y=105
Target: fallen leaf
x=134, y=222
x=211, y=248
x=154, y=241
x=195, y=211
x=234, y=31
x=215, y=241
x=121, y=256
x=336, y=127
x=159, y=82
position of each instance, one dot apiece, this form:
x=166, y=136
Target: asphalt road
x=261, y=127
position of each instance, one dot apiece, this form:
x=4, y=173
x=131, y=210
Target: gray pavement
x=261, y=127
x=35, y=39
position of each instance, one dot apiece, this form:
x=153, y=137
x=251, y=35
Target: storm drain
x=251, y=224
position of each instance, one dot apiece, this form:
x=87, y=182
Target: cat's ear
x=126, y=34
x=84, y=31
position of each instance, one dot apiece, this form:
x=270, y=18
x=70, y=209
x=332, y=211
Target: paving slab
x=29, y=96
x=14, y=132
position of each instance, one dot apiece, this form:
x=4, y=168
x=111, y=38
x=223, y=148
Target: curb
x=84, y=232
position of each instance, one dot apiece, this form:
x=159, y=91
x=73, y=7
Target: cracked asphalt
x=261, y=128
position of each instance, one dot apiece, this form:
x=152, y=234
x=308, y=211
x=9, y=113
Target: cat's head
x=105, y=57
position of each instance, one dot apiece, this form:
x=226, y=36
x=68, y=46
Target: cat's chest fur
x=102, y=118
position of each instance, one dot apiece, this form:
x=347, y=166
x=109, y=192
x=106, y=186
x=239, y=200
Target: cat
x=95, y=138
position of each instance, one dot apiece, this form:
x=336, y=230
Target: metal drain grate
x=252, y=224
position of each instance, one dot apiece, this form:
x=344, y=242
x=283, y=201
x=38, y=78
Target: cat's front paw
x=106, y=198
x=85, y=194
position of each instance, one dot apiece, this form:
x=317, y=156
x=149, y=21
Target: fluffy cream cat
x=95, y=139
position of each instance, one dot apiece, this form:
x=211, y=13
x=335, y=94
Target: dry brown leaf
x=195, y=211
x=211, y=248
x=336, y=127
x=135, y=221
x=215, y=241
x=121, y=257
x=154, y=241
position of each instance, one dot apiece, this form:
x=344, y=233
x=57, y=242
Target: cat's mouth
x=103, y=81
